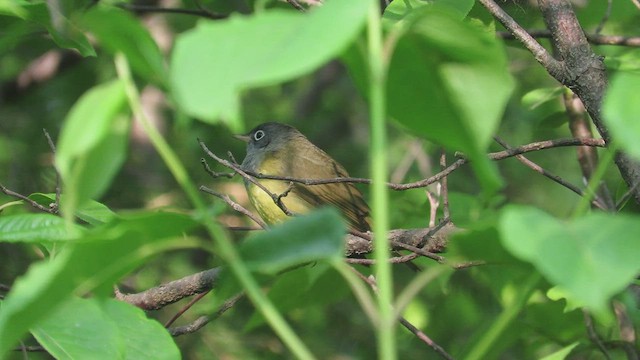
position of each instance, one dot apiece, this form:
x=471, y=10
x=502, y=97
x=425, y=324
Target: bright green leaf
x=79, y=329
x=93, y=264
x=621, y=114
x=212, y=64
x=34, y=228
x=92, y=144
x=451, y=86
x=119, y=31
x=143, y=338
x=562, y=353
x=591, y=258
x=316, y=236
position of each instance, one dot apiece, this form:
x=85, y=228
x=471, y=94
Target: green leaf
x=79, y=329
x=316, y=236
x=34, y=228
x=109, y=329
x=621, y=115
x=212, y=64
x=451, y=86
x=92, y=264
x=143, y=338
x=92, y=212
x=591, y=258
x=119, y=31
x=12, y=8
x=562, y=353
x=92, y=144
x=399, y=10
x=63, y=32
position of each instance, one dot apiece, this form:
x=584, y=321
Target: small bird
x=281, y=150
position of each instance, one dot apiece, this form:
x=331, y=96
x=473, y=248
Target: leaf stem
x=228, y=251
x=377, y=110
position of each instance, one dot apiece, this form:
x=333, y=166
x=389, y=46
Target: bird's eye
x=258, y=135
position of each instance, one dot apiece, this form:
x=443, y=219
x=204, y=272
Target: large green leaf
x=92, y=144
x=79, y=329
x=448, y=82
x=316, y=236
x=107, y=329
x=621, y=114
x=119, y=31
x=92, y=264
x=212, y=64
x=591, y=258
x=34, y=228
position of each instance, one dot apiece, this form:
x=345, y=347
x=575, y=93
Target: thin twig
x=445, y=187
x=235, y=206
x=52, y=146
x=596, y=39
x=500, y=155
x=50, y=210
x=185, y=308
x=246, y=175
x=296, y=5
x=204, y=320
x=593, y=335
x=212, y=173
x=370, y=280
x=537, y=168
x=420, y=251
x=154, y=9
x=541, y=55
x=605, y=18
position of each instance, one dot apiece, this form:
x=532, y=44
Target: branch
x=537, y=168
x=596, y=39
x=143, y=9
x=539, y=52
x=51, y=210
x=169, y=293
x=204, y=320
x=536, y=146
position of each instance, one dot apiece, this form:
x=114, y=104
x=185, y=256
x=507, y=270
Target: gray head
x=265, y=138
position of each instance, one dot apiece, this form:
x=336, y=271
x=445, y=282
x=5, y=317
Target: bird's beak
x=244, y=138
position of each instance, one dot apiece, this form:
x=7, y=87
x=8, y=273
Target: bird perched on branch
x=280, y=150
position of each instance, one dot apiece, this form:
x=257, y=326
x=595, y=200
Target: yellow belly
x=267, y=208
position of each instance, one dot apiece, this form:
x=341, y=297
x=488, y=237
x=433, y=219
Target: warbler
x=281, y=150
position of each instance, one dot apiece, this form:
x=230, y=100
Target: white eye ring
x=258, y=135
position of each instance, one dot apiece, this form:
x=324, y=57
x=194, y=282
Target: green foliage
x=317, y=236
x=33, y=228
x=92, y=145
x=103, y=329
x=516, y=279
x=621, y=114
x=591, y=258
x=256, y=51
x=92, y=263
x=119, y=31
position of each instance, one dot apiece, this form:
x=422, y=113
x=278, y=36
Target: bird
x=280, y=150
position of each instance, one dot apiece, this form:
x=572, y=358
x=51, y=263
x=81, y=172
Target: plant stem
x=228, y=251
x=377, y=110
x=502, y=322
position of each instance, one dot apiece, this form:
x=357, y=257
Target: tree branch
x=596, y=39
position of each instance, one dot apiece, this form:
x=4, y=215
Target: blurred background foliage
x=39, y=83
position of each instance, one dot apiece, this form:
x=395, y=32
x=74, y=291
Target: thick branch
x=169, y=293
